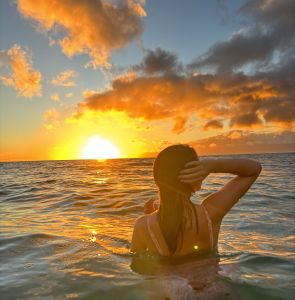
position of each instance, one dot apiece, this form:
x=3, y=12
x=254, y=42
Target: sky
x=133, y=77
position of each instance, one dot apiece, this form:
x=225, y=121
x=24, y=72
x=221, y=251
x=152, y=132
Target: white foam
x=176, y=287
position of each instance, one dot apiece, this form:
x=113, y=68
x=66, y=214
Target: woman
x=179, y=227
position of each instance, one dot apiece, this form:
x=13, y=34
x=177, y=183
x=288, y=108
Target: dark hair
x=175, y=211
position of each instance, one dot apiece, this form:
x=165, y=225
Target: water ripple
x=66, y=227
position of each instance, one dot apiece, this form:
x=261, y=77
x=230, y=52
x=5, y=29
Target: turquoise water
x=66, y=225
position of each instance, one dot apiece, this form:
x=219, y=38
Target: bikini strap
x=153, y=235
x=209, y=227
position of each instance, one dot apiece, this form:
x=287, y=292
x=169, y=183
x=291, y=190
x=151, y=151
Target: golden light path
x=99, y=148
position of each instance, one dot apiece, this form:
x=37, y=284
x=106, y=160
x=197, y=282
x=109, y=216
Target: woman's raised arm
x=220, y=202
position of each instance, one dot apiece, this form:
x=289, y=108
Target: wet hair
x=176, y=208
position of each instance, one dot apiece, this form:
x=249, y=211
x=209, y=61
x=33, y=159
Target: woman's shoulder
x=141, y=221
x=198, y=207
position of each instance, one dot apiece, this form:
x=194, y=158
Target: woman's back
x=203, y=240
x=166, y=231
x=178, y=173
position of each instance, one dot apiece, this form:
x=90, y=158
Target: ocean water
x=66, y=227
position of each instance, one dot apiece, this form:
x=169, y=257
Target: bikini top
x=156, y=242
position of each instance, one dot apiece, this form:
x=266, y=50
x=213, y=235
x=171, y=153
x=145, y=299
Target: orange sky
x=70, y=72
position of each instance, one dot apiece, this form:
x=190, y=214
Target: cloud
x=276, y=17
x=270, y=31
x=65, y=78
x=213, y=124
x=54, y=97
x=92, y=27
x=159, y=89
x=22, y=77
x=240, y=49
x=69, y=95
x=179, y=125
x=151, y=98
x=238, y=141
x=51, y=118
x=246, y=101
x=280, y=108
x=159, y=61
x=233, y=135
x=246, y=120
x=128, y=76
x=88, y=93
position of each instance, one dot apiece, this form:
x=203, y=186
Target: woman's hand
x=150, y=206
x=194, y=171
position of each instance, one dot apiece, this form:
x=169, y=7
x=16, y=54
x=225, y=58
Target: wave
x=71, y=221
x=25, y=237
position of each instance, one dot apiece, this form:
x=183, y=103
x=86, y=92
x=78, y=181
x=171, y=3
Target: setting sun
x=98, y=148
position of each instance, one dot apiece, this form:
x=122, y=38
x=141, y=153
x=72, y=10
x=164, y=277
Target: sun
x=98, y=148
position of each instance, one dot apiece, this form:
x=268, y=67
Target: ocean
x=66, y=227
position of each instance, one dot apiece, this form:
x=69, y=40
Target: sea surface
x=66, y=227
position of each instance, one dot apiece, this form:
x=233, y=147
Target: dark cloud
x=271, y=29
x=213, y=124
x=274, y=16
x=246, y=120
x=237, y=51
x=280, y=111
x=280, y=108
x=159, y=61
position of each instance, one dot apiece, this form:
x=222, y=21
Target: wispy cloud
x=69, y=95
x=238, y=141
x=94, y=27
x=54, y=97
x=65, y=78
x=51, y=118
x=22, y=77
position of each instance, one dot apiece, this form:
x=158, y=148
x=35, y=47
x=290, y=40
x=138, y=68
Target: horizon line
x=139, y=157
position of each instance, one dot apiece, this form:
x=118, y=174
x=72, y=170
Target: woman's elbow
x=258, y=168
x=254, y=168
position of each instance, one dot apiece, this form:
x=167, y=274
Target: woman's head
x=176, y=209
x=168, y=164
